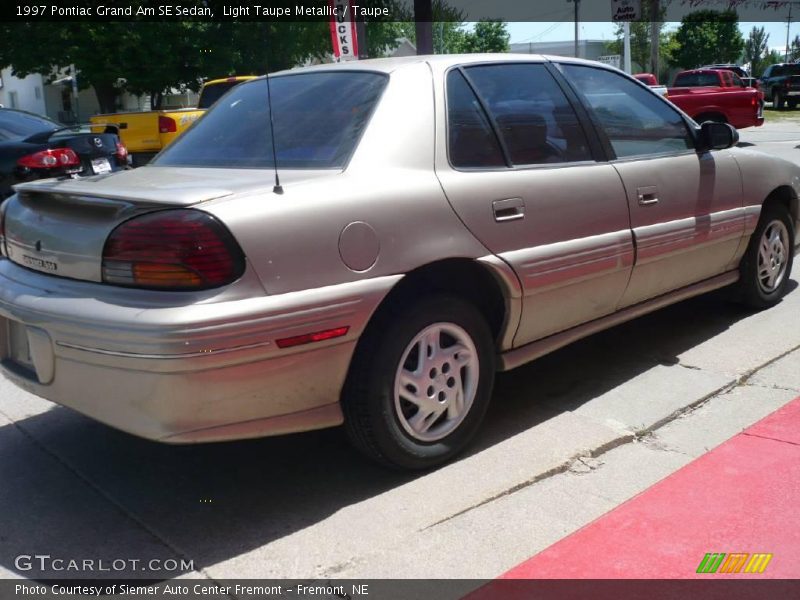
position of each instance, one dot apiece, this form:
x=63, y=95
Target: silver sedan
x=369, y=243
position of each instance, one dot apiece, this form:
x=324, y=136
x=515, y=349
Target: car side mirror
x=717, y=136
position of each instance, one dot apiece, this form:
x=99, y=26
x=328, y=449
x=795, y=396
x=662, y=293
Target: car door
x=518, y=168
x=686, y=206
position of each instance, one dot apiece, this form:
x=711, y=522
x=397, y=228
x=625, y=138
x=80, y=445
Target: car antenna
x=277, y=188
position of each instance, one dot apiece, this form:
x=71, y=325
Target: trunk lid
x=60, y=226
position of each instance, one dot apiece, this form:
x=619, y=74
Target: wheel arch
x=488, y=283
x=785, y=195
x=711, y=115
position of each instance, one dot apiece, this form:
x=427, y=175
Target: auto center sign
x=626, y=10
x=343, y=30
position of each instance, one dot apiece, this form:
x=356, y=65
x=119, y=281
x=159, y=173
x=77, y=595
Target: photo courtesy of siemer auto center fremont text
x=400, y=299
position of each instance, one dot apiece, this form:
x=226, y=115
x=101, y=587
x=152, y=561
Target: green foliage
x=774, y=57
x=794, y=49
x=756, y=49
x=708, y=36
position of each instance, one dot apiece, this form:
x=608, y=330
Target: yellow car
x=146, y=133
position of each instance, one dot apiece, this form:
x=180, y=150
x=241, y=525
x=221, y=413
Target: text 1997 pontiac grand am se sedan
x=437, y=219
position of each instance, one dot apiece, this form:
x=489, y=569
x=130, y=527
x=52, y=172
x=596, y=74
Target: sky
x=565, y=30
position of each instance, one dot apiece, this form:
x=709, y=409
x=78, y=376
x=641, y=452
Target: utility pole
x=423, y=16
x=655, y=15
x=626, y=33
x=788, y=25
x=577, y=5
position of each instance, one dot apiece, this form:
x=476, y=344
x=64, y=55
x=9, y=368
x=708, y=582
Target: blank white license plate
x=19, y=350
x=101, y=165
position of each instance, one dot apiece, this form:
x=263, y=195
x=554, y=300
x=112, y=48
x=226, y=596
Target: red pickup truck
x=712, y=95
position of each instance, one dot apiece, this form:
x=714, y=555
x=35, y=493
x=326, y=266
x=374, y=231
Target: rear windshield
x=16, y=125
x=318, y=118
x=697, y=79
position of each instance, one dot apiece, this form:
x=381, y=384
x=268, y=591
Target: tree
x=708, y=36
x=794, y=49
x=154, y=57
x=488, y=36
x=450, y=35
x=756, y=49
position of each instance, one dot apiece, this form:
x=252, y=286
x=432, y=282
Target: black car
x=34, y=147
x=781, y=84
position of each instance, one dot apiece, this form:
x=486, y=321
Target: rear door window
x=529, y=112
x=472, y=142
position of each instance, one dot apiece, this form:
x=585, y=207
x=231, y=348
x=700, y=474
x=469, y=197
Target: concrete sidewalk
x=732, y=513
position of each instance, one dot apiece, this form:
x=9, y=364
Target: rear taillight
x=167, y=124
x=50, y=159
x=180, y=249
x=121, y=153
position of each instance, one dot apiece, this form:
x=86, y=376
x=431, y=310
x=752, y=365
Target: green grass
x=772, y=115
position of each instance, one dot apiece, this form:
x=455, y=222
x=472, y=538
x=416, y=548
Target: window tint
x=534, y=118
x=698, y=79
x=212, y=93
x=471, y=141
x=634, y=119
x=317, y=117
x=17, y=125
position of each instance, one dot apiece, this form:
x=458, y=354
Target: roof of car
x=388, y=65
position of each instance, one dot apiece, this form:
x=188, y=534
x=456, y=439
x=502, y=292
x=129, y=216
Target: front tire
x=767, y=262
x=420, y=383
x=792, y=104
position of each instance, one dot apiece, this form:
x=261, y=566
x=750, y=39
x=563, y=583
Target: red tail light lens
x=121, y=152
x=179, y=249
x=50, y=159
x=167, y=124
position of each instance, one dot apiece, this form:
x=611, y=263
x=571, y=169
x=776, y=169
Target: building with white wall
x=33, y=94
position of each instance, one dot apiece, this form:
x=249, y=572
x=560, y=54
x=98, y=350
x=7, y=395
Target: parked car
x=423, y=223
x=650, y=80
x=742, y=73
x=145, y=133
x=781, y=85
x=717, y=95
x=34, y=147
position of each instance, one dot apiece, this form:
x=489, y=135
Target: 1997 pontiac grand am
x=440, y=218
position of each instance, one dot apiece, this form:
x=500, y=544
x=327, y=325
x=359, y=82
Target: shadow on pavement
x=218, y=501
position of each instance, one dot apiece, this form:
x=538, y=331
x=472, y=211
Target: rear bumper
x=190, y=373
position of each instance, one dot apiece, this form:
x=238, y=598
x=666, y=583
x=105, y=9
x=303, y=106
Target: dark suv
x=781, y=84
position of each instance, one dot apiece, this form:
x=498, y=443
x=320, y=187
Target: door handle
x=509, y=209
x=647, y=195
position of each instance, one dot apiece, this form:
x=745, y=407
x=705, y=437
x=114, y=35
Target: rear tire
x=420, y=383
x=778, y=100
x=767, y=262
x=792, y=104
